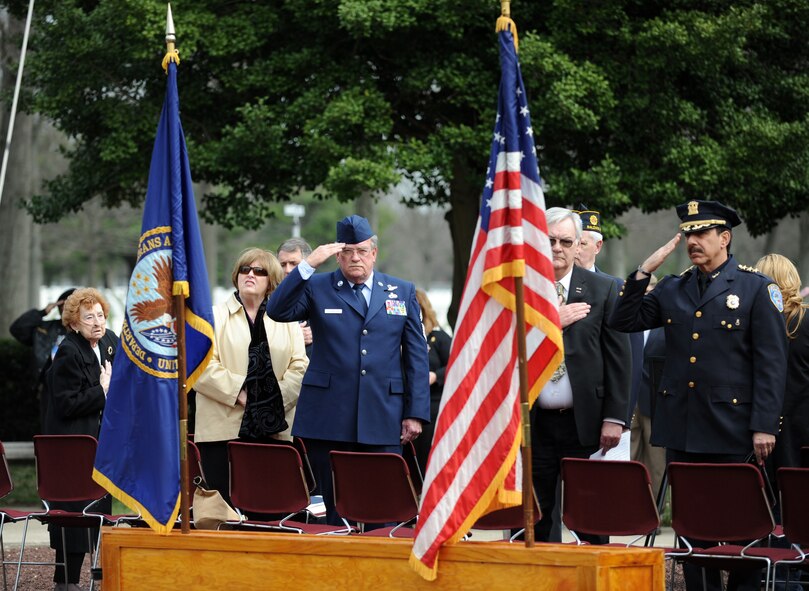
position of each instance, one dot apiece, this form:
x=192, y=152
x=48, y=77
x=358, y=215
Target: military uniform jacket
x=726, y=354
x=366, y=373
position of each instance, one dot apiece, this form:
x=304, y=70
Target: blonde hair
x=86, y=297
x=786, y=276
x=428, y=317
x=267, y=260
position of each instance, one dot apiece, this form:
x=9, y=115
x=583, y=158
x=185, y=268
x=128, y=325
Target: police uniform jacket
x=726, y=353
x=367, y=373
x=218, y=417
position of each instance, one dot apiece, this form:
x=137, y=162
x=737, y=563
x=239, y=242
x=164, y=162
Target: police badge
x=732, y=301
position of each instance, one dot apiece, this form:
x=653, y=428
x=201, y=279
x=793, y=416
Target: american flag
x=474, y=466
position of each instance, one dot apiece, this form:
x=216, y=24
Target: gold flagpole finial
x=172, y=55
x=504, y=22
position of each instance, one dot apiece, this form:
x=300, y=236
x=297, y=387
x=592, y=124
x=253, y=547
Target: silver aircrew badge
x=732, y=301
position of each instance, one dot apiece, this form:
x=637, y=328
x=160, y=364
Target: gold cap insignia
x=693, y=208
x=593, y=220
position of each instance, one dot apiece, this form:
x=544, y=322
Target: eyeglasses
x=361, y=252
x=564, y=242
x=257, y=271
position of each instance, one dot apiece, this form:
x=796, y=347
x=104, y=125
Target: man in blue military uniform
x=367, y=385
x=722, y=387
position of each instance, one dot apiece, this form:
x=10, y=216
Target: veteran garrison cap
x=353, y=230
x=702, y=215
x=590, y=219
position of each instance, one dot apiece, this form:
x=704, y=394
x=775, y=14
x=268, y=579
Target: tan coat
x=218, y=417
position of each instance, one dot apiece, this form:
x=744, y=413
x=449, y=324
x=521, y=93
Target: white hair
x=554, y=215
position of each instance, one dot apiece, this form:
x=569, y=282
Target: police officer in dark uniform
x=722, y=388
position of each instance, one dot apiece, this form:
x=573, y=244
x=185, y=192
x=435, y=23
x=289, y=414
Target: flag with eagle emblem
x=138, y=457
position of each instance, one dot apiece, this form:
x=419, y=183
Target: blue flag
x=138, y=457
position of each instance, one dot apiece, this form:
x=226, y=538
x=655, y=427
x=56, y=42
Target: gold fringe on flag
x=173, y=55
x=504, y=20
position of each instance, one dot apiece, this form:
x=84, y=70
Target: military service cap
x=353, y=230
x=697, y=216
x=590, y=220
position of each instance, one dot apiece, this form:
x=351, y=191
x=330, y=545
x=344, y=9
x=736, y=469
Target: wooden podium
x=142, y=559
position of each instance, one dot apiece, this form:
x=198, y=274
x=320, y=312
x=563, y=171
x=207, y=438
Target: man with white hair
x=583, y=407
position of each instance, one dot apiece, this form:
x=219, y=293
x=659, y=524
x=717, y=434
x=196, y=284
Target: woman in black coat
x=795, y=412
x=77, y=384
x=439, y=344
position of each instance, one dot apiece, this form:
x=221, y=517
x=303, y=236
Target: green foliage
x=24, y=477
x=19, y=420
x=641, y=103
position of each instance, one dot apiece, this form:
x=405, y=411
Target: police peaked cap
x=353, y=230
x=697, y=216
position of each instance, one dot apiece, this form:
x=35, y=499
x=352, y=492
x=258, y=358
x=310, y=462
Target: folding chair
x=508, y=520
x=7, y=515
x=374, y=488
x=311, y=482
x=725, y=503
x=608, y=498
x=267, y=478
x=409, y=454
x=793, y=484
x=64, y=468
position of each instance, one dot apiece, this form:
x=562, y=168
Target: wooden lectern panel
x=141, y=559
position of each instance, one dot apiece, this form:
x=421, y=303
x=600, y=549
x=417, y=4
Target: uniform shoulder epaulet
x=749, y=269
x=687, y=271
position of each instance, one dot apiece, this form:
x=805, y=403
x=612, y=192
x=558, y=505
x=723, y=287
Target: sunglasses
x=257, y=271
x=565, y=242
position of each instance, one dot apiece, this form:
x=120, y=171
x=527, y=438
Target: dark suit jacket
x=654, y=355
x=74, y=395
x=597, y=357
x=367, y=373
x=795, y=427
x=636, y=347
x=726, y=356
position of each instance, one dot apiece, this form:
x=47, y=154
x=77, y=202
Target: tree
x=645, y=103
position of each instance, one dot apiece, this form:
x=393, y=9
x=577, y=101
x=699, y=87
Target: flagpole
x=525, y=414
x=182, y=393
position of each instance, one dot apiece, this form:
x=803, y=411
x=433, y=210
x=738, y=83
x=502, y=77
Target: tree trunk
x=462, y=218
x=210, y=237
x=19, y=286
x=366, y=207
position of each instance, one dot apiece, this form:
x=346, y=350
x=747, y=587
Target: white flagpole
x=17, y=86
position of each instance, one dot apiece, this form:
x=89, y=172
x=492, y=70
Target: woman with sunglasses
x=250, y=388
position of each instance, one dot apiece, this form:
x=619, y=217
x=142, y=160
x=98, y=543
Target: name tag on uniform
x=395, y=307
x=333, y=311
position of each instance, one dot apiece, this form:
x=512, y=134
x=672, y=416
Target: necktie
x=702, y=281
x=360, y=298
x=562, y=369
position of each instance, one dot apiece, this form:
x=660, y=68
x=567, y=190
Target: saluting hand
x=657, y=258
x=323, y=253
